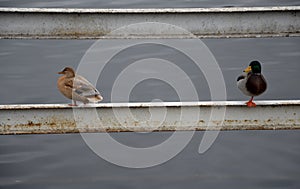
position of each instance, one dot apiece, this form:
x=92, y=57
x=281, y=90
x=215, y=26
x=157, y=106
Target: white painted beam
x=141, y=117
x=61, y=23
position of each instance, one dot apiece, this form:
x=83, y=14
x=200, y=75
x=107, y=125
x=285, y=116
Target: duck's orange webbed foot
x=250, y=103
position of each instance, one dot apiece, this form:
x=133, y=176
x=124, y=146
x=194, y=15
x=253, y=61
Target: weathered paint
x=103, y=117
x=99, y=23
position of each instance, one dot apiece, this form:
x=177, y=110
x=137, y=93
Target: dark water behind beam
x=246, y=159
x=251, y=159
x=29, y=69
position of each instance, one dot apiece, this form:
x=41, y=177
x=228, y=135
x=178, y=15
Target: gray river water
x=237, y=159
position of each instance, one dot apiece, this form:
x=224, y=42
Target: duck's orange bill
x=248, y=69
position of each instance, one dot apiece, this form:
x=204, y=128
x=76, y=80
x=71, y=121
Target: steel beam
x=143, y=117
x=62, y=23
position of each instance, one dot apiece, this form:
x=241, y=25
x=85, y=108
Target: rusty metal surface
x=107, y=117
x=55, y=23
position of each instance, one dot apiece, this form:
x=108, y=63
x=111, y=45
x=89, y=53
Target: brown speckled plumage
x=77, y=88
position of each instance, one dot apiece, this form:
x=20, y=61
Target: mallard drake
x=77, y=88
x=252, y=82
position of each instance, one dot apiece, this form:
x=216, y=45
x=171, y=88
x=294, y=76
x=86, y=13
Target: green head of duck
x=254, y=67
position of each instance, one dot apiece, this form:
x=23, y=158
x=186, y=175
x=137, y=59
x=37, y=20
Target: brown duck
x=77, y=88
x=252, y=82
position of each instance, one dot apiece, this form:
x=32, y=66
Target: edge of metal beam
x=148, y=10
x=151, y=104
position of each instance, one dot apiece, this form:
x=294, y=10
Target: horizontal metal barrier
x=145, y=117
x=62, y=23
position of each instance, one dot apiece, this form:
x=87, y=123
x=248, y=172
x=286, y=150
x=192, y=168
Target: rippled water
x=251, y=159
x=246, y=159
x=29, y=69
